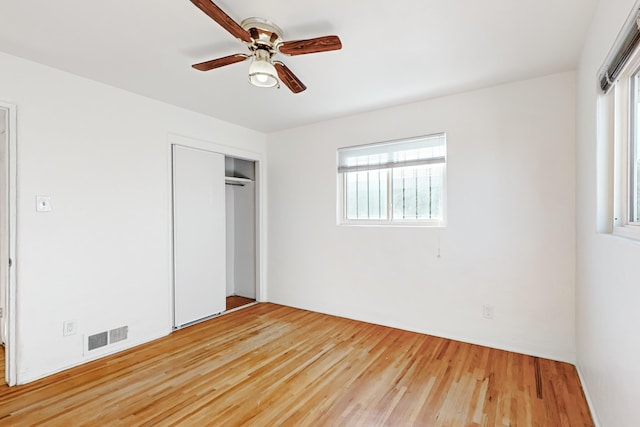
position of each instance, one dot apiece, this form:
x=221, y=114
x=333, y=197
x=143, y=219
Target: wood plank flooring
x=2, y=365
x=235, y=301
x=269, y=365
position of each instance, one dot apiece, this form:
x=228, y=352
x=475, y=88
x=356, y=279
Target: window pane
x=366, y=194
x=351, y=195
x=634, y=158
x=436, y=183
x=635, y=191
x=417, y=192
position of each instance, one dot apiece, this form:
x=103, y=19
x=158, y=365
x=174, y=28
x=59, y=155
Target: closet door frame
x=260, y=205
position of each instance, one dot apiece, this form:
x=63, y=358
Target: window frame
x=633, y=200
x=390, y=221
x=626, y=130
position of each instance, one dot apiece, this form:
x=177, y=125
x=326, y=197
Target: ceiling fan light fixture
x=262, y=73
x=264, y=40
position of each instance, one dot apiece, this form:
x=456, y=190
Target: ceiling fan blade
x=319, y=44
x=220, y=62
x=288, y=78
x=222, y=19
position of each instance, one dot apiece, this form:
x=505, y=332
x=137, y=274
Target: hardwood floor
x=2, y=366
x=269, y=365
x=235, y=301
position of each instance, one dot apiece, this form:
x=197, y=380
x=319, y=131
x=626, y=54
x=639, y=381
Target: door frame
x=260, y=205
x=11, y=143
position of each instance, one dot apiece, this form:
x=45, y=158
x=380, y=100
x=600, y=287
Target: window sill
x=631, y=232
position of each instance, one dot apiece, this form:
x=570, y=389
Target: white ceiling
x=393, y=52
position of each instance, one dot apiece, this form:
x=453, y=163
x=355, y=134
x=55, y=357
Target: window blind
x=625, y=45
x=422, y=150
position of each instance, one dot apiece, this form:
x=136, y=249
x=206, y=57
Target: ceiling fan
x=264, y=40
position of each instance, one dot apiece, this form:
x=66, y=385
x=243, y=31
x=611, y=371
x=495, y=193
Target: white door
x=199, y=234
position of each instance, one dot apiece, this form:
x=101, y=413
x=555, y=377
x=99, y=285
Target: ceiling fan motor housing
x=265, y=34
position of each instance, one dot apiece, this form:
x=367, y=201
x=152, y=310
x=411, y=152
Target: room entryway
x=7, y=240
x=3, y=283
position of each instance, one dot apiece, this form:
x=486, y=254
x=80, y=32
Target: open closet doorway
x=7, y=240
x=240, y=203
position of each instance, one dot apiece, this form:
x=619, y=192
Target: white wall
x=608, y=268
x=510, y=235
x=102, y=256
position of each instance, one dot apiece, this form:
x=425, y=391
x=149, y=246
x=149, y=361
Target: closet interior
x=240, y=205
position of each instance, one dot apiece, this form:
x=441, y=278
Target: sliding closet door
x=199, y=234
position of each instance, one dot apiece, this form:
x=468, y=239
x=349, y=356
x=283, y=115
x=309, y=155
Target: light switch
x=43, y=203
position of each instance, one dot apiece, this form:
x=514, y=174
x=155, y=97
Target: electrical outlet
x=487, y=311
x=69, y=327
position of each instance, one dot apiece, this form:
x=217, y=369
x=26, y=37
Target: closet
x=214, y=232
x=240, y=200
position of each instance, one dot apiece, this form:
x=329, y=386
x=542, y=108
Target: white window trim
x=389, y=222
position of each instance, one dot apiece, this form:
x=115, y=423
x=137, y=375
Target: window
x=634, y=152
x=619, y=121
x=398, y=182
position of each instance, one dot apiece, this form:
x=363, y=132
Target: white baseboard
x=592, y=408
x=558, y=357
x=24, y=378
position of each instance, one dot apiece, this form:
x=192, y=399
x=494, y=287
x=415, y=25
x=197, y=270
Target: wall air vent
x=97, y=340
x=102, y=339
x=118, y=334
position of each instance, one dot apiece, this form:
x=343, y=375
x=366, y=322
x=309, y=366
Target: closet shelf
x=235, y=180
